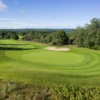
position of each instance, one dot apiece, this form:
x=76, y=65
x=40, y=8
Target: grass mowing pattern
x=30, y=63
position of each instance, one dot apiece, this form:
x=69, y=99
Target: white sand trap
x=57, y=49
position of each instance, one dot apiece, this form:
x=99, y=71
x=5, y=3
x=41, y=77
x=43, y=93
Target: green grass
x=30, y=63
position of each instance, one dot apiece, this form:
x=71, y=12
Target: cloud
x=3, y=6
x=19, y=23
x=15, y=25
x=22, y=25
x=8, y=19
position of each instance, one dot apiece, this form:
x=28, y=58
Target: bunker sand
x=57, y=49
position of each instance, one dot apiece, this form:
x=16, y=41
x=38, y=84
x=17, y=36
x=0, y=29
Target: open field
x=30, y=63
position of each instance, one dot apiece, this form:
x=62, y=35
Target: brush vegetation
x=18, y=91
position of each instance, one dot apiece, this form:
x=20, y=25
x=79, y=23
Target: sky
x=47, y=13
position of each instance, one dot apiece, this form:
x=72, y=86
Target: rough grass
x=30, y=63
x=17, y=91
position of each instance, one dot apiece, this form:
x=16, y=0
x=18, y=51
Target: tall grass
x=18, y=91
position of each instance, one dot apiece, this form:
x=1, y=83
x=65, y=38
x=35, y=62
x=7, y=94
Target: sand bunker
x=57, y=49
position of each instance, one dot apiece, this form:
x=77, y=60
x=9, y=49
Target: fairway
x=30, y=63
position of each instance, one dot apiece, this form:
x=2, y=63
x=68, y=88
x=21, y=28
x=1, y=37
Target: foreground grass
x=17, y=91
x=30, y=63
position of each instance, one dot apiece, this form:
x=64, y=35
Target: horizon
x=36, y=28
x=43, y=14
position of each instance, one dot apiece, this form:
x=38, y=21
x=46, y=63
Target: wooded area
x=87, y=36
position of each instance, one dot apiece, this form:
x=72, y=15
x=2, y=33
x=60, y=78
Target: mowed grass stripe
x=38, y=66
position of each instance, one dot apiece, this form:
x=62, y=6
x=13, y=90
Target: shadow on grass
x=11, y=47
x=12, y=44
x=14, y=48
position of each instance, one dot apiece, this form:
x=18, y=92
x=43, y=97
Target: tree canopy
x=87, y=36
x=9, y=35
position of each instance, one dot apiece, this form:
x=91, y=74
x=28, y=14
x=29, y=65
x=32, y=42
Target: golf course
x=30, y=63
x=49, y=50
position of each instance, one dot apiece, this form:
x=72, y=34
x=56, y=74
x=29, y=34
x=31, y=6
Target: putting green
x=30, y=63
x=54, y=57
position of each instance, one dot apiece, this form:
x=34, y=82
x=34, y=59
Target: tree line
x=9, y=35
x=87, y=36
x=55, y=38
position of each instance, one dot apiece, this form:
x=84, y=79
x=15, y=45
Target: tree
x=14, y=36
x=48, y=38
x=95, y=24
x=79, y=37
x=89, y=36
x=61, y=38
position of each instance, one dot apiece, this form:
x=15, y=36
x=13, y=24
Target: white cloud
x=3, y=6
x=16, y=25
x=19, y=23
x=9, y=19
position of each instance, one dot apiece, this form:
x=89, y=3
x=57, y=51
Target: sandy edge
x=57, y=49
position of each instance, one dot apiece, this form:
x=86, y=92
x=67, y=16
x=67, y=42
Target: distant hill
x=38, y=29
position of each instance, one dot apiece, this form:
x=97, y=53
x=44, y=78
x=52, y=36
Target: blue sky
x=47, y=13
